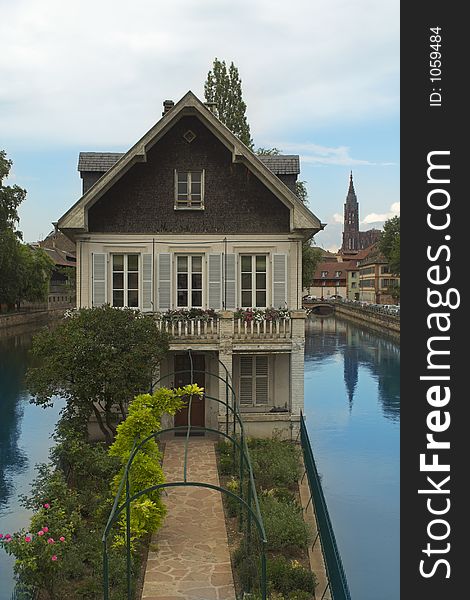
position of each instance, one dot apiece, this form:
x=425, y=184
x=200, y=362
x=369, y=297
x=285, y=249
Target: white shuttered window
x=254, y=380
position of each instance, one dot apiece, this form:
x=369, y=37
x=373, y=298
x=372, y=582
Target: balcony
x=250, y=326
x=262, y=329
x=196, y=327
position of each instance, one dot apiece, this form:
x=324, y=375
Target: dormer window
x=189, y=190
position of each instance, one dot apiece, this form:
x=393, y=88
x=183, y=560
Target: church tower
x=351, y=236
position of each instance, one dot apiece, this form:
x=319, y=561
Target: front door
x=183, y=363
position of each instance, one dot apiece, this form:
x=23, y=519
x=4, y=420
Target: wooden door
x=183, y=363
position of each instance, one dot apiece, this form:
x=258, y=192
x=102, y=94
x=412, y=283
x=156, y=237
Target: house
x=62, y=283
x=376, y=282
x=192, y=226
x=329, y=279
x=352, y=274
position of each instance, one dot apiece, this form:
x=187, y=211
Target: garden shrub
x=144, y=418
x=247, y=563
x=284, y=524
x=226, y=461
x=290, y=578
x=275, y=463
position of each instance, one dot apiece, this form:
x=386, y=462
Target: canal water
x=25, y=431
x=352, y=408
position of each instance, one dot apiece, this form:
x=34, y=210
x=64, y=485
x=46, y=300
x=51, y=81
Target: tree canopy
x=223, y=87
x=98, y=359
x=10, y=198
x=389, y=243
x=24, y=272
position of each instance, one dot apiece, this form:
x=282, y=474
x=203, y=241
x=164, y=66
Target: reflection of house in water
x=329, y=336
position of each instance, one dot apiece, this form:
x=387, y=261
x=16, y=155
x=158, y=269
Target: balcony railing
x=226, y=324
x=192, y=328
x=265, y=329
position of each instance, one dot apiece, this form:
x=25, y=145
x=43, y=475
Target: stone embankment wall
x=374, y=320
x=30, y=318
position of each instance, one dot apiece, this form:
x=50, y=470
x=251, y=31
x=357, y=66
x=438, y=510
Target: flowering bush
x=39, y=557
x=262, y=314
x=187, y=314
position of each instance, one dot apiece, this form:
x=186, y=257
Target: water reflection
x=352, y=409
x=13, y=460
x=24, y=441
x=335, y=338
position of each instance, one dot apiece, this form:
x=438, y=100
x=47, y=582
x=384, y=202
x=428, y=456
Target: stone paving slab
x=190, y=559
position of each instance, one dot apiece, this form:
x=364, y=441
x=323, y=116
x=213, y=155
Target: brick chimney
x=167, y=106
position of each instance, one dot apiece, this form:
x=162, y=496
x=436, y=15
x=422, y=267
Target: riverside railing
x=337, y=583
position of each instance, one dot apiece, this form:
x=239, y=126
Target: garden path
x=189, y=557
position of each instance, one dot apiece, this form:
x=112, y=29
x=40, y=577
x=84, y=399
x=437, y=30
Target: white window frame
x=125, y=273
x=254, y=290
x=187, y=204
x=189, y=274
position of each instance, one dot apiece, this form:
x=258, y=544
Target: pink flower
x=53, y=557
x=1, y=535
x=45, y=529
x=47, y=505
x=50, y=541
x=41, y=532
x=62, y=539
x=27, y=538
x=8, y=536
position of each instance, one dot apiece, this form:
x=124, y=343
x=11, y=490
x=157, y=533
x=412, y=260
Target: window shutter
x=230, y=294
x=99, y=279
x=215, y=281
x=246, y=380
x=279, y=280
x=147, y=282
x=261, y=379
x=164, y=281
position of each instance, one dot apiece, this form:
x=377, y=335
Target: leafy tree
x=9, y=259
x=98, y=359
x=10, y=198
x=311, y=256
x=268, y=152
x=224, y=88
x=24, y=273
x=34, y=270
x=389, y=243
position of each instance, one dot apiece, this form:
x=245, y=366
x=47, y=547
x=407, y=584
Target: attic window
x=189, y=190
x=189, y=136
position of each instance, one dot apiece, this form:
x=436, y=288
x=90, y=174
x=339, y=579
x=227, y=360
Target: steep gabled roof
x=281, y=164
x=331, y=268
x=75, y=219
x=98, y=161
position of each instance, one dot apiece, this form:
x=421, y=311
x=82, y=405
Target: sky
x=320, y=79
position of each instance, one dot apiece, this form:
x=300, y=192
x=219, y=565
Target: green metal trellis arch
x=249, y=503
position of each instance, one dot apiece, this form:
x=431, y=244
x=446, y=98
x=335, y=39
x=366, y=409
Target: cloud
x=97, y=72
x=380, y=218
x=337, y=218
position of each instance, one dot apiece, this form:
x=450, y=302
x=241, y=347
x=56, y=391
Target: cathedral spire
x=351, y=197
